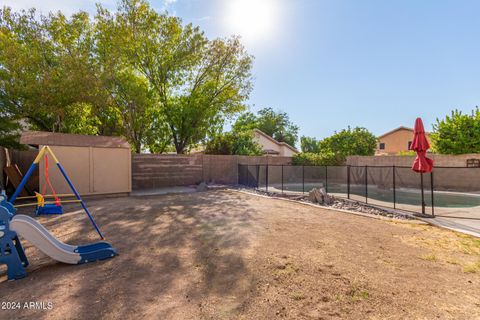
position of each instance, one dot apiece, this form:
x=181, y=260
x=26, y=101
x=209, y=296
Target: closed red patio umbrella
x=420, y=145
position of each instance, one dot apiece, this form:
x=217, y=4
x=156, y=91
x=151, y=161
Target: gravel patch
x=340, y=203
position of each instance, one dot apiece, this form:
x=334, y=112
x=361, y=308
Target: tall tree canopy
x=276, y=124
x=234, y=143
x=45, y=70
x=309, y=144
x=351, y=142
x=134, y=72
x=458, y=133
x=335, y=149
x=195, y=83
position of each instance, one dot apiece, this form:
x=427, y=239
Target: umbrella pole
x=423, y=196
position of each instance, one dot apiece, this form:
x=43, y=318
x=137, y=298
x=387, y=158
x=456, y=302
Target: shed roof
x=74, y=140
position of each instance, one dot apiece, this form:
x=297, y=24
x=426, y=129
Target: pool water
x=402, y=196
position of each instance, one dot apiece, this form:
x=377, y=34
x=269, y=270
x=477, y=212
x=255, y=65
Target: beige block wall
x=92, y=170
x=158, y=171
x=440, y=160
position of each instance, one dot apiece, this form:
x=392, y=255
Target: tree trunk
x=180, y=148
x=138, y=147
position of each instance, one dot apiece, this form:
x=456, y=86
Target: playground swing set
x=13, y=224
x=43, y=207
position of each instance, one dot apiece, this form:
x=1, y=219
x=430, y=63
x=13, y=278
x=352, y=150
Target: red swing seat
x=49, y=208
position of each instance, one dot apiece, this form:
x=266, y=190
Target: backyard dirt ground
x=225, y=254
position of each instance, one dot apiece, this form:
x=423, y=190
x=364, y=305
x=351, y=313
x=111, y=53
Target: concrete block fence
x=156, y=171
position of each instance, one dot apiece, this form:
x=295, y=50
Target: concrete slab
x=160, y=191
x=463, y=225
x=172, y=190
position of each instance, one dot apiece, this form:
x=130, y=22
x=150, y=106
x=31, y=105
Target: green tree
x=9, y=133
x=133, y=104
x=458, y=133
x=233, y=143
x=335, y=149
x=327, y=158
x=135, y=73
x=199, y=83
x=276, y=124
x=46, y=70
x=350, y=142
x=309, y=144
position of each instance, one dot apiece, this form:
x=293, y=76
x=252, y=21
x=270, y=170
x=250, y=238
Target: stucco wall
x=270, y=145
x=286, y=151
x=395, y=142
x=157, y=171
x=266, y=143
x=92, y=170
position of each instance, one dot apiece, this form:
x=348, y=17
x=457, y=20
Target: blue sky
x=334, y=63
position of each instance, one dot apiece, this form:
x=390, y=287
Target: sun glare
x=253, y=19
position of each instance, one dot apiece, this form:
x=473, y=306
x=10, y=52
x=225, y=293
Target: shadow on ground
x=193, y=241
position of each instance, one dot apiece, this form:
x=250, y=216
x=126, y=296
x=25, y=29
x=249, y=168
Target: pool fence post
x=257, y=183
x=282, y=178
x=394, y=189
x=248, y=171
x=326, y=179
x=303, y=178
x=266, y=178
x=423, y=195
x=366, y=184
x=431, y=190
x=348, y=182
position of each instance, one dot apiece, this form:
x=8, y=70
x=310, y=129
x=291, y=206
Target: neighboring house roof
x=75, y=140
x=398, y=129
x=260, y=132
x=395, y=130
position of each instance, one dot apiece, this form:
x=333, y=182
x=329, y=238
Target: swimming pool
x=402, y=195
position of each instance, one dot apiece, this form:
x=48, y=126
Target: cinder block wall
x=449, y=174
x=157, y=171
x=440, y=160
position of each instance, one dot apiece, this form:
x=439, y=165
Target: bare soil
x=229, y=255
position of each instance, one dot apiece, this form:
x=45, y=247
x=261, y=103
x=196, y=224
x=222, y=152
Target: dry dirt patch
x=224, y=254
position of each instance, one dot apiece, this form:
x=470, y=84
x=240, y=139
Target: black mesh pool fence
x=446, y=191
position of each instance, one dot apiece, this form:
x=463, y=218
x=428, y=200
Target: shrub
x=458, y=133
x=408, y=153
x=317, y=159
x=350, y=142
x=229, y=143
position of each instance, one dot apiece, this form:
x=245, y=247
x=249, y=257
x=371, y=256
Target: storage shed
x=97, y=165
